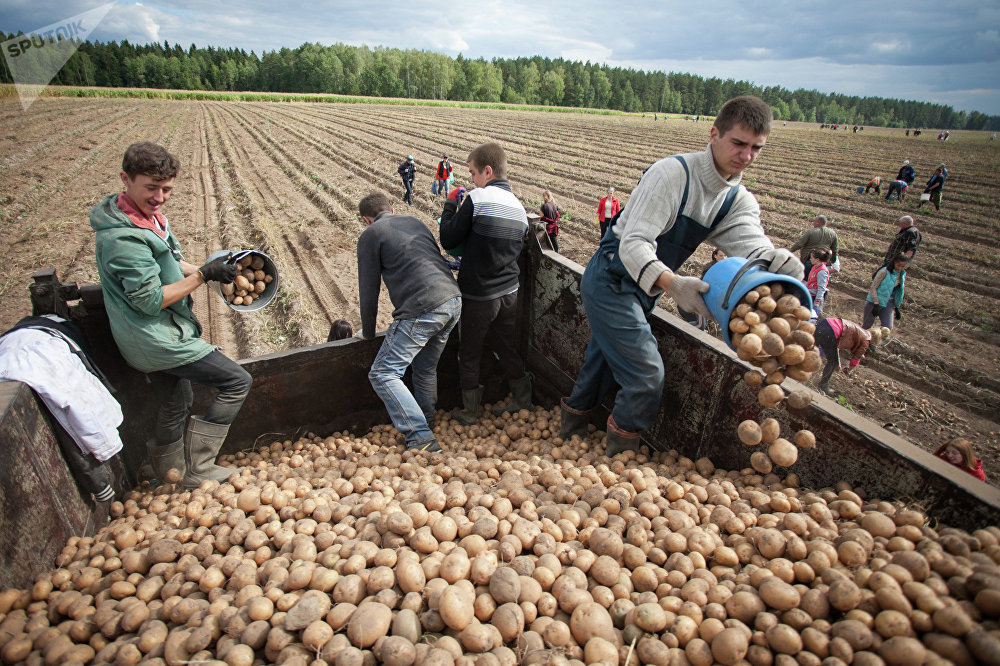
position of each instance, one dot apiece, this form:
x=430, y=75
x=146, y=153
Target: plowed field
x=286, y=178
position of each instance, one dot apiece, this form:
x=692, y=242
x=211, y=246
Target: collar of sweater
x=502, y=183
x=710, y=177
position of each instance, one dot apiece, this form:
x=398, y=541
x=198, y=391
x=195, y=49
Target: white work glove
x=782, y=261
x=686, y=292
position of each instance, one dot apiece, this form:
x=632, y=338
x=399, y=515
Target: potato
x=456, y=605
x=805, y=439
x=749, y=432
x=771, y=395
x=241, y=282
x=769, y=429
x=792, y=355
x=369, y=623
x=773, y=344
x=787, y=304
x=753, y=378
x=590, y=619
x=751, y=345
x=767, y=304
x=778, y=594
x=760, y=462
x=799, y=398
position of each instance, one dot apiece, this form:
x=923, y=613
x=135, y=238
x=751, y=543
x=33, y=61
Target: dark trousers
x=808, y=265
x=827, y=341
x=173, y=388
x=408, y=194
x=488, y=322
x=604, y=227
x=554, y=239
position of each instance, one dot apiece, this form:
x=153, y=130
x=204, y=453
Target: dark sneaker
x=430, y=446
x=829, y=391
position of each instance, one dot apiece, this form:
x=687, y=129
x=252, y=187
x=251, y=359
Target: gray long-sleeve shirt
x=400, y=251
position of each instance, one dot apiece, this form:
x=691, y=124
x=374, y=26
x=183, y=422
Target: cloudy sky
x=942, y=52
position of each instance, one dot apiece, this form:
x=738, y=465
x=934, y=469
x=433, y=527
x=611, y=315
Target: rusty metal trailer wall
x=705, y=399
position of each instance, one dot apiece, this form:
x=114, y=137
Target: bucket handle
x=736, y=278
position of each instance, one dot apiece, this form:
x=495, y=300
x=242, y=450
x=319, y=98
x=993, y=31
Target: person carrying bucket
x=681, y=201
x=147, y=287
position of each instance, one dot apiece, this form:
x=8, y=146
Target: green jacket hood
x=107, y=215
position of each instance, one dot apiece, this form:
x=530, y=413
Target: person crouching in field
x=147, y=289
x=834, y=334
x=960, y=454
x=875, y=184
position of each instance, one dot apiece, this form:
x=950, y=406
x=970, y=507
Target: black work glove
x=899, y=315
x=219, y=271
x=876, y=309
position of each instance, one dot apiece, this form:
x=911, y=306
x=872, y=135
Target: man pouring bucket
x=681, y=201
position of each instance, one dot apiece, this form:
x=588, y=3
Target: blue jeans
x=415, y=343
x=622, y=348
x=443, y=187
x=173, y=387
x=408, y=194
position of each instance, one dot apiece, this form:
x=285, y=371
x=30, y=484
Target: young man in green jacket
x=147, y=293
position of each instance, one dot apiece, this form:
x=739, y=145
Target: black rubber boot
x=470, y=406
x=620, y=440
x=572, y=421
x=520, y=396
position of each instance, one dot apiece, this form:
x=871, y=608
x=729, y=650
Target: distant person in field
x=490, y=225
x=833, y=334
x=550, y=217
x=400, y=251
x=959, y=453
x=407, y=171
x=147, y=289
x=607, y=208
x=681, y=202
x=874, y=184
x=897, y=189
x=818, y=279
x=340, y=330
x=905, y=242
x=443, y=176
x=934, y=187
x=886, y=294
x=819, y=235
x=906, y=173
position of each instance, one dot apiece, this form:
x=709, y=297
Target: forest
x=416, y=74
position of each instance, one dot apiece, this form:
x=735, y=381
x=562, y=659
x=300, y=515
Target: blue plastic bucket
x=730, y=279
x=270, y=290
x=861, y=189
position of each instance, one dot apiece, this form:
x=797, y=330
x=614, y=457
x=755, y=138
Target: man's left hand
x=899, y=315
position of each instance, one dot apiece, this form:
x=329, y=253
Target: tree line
x=411, y=73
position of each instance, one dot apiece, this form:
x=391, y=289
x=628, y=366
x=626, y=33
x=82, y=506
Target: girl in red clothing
x=959, y=453
x=819, y=278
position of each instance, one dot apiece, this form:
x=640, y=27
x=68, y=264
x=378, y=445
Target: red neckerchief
x=139, y=219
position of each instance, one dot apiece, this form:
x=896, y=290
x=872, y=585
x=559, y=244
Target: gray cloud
x=928, y=50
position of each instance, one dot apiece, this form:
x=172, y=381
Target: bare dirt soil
x=286, y=178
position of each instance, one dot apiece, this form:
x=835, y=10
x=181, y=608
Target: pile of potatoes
x=771, y=330
x=510, y=547
x=250, y=282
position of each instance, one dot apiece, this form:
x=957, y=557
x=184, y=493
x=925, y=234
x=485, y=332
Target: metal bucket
x=270, y=290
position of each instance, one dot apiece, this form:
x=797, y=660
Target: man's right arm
x=456, y=222
x=369, y=283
